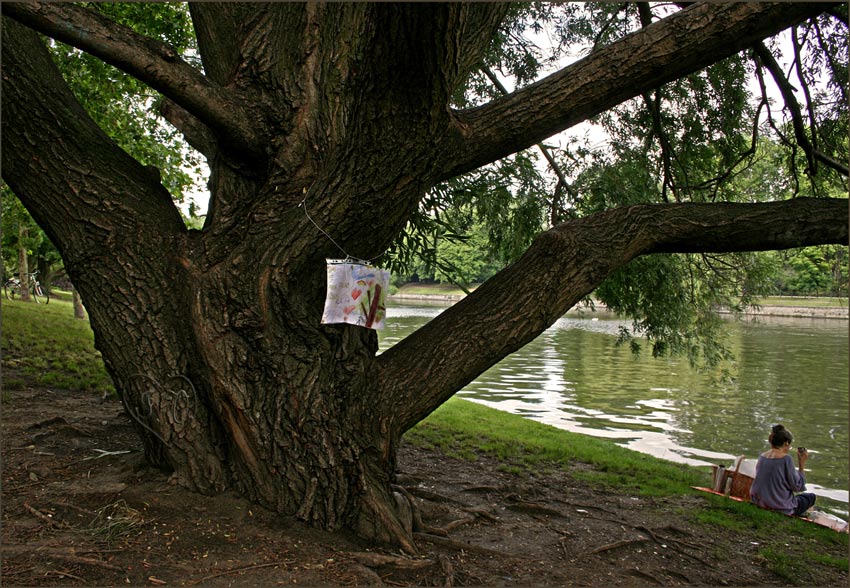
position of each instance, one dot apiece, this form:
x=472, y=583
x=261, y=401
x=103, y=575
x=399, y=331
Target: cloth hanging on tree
x=356, y=294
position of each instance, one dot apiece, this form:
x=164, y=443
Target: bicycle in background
x=12, y=289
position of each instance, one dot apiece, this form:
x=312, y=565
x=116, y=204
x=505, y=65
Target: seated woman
x=777, y=481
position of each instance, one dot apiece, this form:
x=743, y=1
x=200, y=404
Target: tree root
x=587, y=506
x=433, y=496
x=377, y=560
x=368, y=576
x=652, y=536
x=481, y=489
x=616, y=545
x=420, y=526
x=479, y=511
x=460, y=546
x=448, y=527
x=646, y=575
x=383, y=522
x=448, y=570
x=674, y=543
x=534, y=508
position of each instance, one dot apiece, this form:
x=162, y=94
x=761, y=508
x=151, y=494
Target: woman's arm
x=796, y=478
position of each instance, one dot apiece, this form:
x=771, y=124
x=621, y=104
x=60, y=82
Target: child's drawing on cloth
x=356, y=294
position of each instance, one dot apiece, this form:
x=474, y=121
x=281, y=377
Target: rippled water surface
x=574, y=376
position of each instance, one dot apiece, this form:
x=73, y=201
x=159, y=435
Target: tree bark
x=326, y=124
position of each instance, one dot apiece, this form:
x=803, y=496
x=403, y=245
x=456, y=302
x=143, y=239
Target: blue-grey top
x=775, y=483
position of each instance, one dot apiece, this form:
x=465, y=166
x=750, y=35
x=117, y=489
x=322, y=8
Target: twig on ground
x=43, y=517
x=84, y=561
x=285, y=562
x=104, y=453
x=13, y=572
x=66, y=575
x=563, y=546
x=22, y=486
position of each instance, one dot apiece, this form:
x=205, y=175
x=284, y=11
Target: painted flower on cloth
x=356, y=294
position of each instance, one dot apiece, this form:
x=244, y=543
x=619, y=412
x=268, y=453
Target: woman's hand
x=802, y=456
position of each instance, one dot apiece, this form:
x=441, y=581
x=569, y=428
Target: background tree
x=20, y=238
x=323, y=120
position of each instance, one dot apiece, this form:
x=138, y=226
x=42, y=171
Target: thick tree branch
x=666, y=50
x=562, y=179
x=148, y=60
x=565, y=264
x=74, y=179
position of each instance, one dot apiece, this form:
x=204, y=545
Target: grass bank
x=805, y=301
x=416, y=289
x=465, y=429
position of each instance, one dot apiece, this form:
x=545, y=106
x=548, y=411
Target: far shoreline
x=787, y=309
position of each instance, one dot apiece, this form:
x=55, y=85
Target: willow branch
x=146, y=59
x=666, y=50
x=834, y=67
x=793, y=106
x=798, y=62
x=565, y=264
x=653, y=103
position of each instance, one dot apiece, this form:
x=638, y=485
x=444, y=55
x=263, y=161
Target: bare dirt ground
x=80, y=508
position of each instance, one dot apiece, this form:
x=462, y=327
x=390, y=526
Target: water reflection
x=575, y=377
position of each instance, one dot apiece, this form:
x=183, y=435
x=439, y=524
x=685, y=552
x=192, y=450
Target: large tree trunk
x=321, y=143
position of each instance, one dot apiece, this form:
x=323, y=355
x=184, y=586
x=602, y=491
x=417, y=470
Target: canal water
x=574, y=376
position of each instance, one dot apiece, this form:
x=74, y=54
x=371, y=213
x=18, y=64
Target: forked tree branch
x=150, y=61
x=565, y=264
x=666, y=50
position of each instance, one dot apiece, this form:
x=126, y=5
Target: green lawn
x=804, y=301
x=43, y=344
